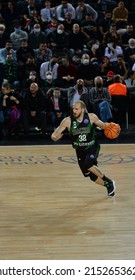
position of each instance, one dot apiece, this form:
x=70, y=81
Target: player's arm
x=94, y=119
x=57, y=134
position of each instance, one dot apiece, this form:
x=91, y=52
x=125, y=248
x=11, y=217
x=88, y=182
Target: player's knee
x=93, y=177
x=89, y=162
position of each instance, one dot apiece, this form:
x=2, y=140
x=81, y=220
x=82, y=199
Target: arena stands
x=40, y=39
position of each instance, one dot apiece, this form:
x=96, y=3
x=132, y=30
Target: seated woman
x=11, y=103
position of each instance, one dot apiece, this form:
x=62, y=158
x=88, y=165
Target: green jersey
x=83, y=134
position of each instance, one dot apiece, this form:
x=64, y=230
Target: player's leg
x=89, y=169
x=96, y=175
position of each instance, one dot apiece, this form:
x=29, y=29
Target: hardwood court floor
x=48, y=210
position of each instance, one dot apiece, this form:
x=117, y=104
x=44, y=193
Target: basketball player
x=81, y=126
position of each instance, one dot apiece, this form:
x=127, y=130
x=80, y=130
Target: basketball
x=112, y=131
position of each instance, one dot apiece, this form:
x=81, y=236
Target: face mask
x=32, y=77
x=8, y=48
x=49, y=77
x=56, y=95
x=109, y=45
x=59, y=31
x=80, y=87
x=96, y=46
x=99, y=85
x=86, y=61
x=37, y=30
x=132, y=47
x=17, y=30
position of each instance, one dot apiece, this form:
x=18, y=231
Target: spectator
x=48, y=82
x=120, y=15
x=30, y=7
x=11, y=13
x=36, y=37
x=109, y=79
x=86, y=71
x=58, y=40
x=62, y=9
x=22, y=7
x=23, y=53
x=101, y=100
x=82, y=9
x=129, y=34
x=121, y=67
x=11, y=103
x=51, y=26
x=130, y=81
x=26, y=23
x=105, y=66
x=66, y=73
x=34, y=19
x=112, y=51
x=33, y=78
x=89, y=27
x=107, y=5
x=112, y=34
x=77, y=40
x=68, y=22
x=95, y=51
x=105, y=23
x=4, y=36
x=51, y=65
x=10, y=71
x=58, y=107
x=42, y=54
x=129, y=52
x=4, y=51
x=47, y=13
x=17, y=36
x=78, y=92
x=34, y=109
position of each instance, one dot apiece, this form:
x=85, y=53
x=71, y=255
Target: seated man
x=34, y=109
x=101, y=100
x=66, y=73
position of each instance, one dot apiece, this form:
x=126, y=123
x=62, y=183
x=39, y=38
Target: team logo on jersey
x=86, y=121
x=91, y=156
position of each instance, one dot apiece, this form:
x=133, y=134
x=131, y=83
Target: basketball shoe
x=111, y=188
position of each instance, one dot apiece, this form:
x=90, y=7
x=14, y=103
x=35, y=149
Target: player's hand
x=56, y=138
x=111, y=124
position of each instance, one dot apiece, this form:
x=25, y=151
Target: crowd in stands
x=53, y=53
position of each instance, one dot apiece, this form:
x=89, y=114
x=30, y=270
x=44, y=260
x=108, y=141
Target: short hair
x=6, y=84
x=97, y=78
x=82, y=104
x=2, y=26
x=117, y=78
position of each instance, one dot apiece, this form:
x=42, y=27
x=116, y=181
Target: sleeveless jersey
x=83, y=135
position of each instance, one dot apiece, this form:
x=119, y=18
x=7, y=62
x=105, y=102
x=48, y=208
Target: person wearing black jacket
x=12, y=107
x=35, y=106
